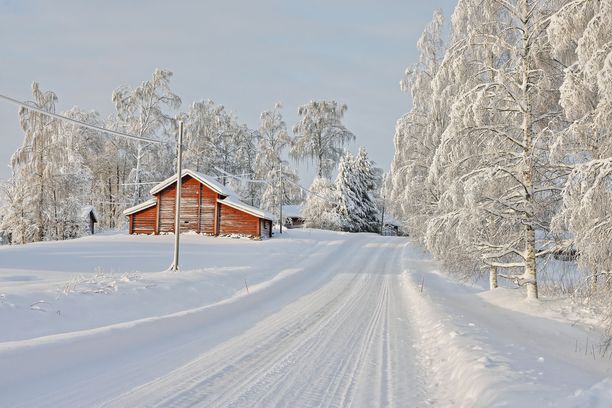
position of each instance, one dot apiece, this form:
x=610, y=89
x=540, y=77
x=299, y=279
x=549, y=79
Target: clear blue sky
x=246, y=55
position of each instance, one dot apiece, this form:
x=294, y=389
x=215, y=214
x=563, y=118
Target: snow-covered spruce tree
x=270, y=166
x=320, y=208
x=145, y=112
x=347, y=188
x=411, y=198
x=320, y=135
x=356, y=209
x=580, y=34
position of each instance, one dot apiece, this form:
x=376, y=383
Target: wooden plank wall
x=208, y=202
x=167, y=202
x=143, y=222
x=199, y=211
x=197, y=207
x=234, y=221
x=190, y=197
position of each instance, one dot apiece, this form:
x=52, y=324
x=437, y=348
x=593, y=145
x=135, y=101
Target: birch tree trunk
x=492, y=278
x=530, y=273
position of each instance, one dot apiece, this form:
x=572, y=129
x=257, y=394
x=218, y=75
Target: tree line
x=62, y=168
x=504, y=161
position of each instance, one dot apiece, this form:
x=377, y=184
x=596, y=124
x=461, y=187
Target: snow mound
x=598, y=396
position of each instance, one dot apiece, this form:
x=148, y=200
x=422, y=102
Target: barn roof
x=206, y=180
x=141, y=206
x=239, y=205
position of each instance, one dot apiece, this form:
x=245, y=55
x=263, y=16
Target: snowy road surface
x=347, y=320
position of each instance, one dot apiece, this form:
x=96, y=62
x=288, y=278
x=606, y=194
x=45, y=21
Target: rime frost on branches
x=580, y=35
x=474, y=176
x=50, y=181
x=145, y=112
x=320, y=135
x=282, y=182
x=357, y=211
x=321, y=204
x=411, y=198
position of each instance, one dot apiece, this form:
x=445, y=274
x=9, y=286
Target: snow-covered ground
x=329, y=319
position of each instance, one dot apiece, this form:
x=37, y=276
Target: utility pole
x=382, y=217
x=280, y=199
x=177, y=210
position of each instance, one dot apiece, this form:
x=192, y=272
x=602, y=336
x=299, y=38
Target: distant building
x=292, y=216
x=392, y=227
x=207, y=207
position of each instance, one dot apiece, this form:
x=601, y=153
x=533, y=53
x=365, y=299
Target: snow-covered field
x=329, y=319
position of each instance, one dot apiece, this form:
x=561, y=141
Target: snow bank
x=598, y=396
x=484, y=349
x=57, y=287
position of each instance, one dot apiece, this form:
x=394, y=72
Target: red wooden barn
x=207, y=207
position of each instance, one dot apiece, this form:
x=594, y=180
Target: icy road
x=337, y=320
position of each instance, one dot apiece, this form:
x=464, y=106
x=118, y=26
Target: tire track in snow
x=223, y=366
x=127, y=352
x=323, y=350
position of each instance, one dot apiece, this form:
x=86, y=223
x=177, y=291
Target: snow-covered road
x=338, y=320
x=345, y=344
x=334, y=331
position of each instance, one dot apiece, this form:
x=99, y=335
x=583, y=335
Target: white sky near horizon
x=245, y=55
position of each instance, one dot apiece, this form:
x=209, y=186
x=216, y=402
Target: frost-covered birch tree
x=320, y=207
x=581, y=39
x=51, y=180
x=146, y=111
x=320, y=135
x=459, y=222
x=33, y=162
x=204, y=122
x=412, y=199
x=512, y=117
x=282, y=182
x=16, y=223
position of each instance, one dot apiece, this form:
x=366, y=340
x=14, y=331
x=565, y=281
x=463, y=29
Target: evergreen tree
x=357, y=211
x=367, y=182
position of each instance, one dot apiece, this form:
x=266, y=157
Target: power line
x=240, y=178
x=77, y=122
x=267, y=182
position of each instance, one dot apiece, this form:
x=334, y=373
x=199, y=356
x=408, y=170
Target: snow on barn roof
x=141, y=206
x=206, y=180
x=239, y=205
